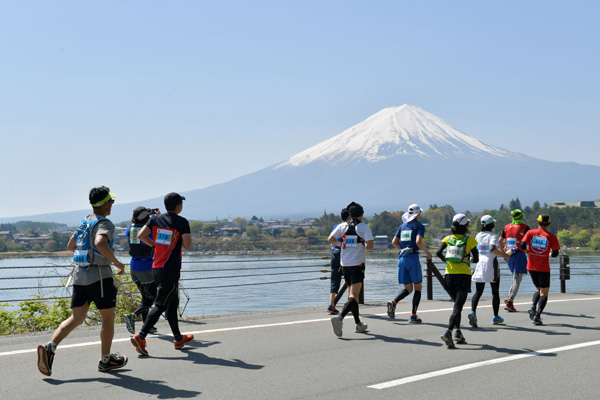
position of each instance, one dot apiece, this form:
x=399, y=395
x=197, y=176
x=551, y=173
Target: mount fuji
x=398, y=156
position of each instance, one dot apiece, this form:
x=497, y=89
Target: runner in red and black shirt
x=170, y=233
x=540, y=245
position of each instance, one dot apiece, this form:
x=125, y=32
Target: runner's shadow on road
x=537, y=329
x=188, y=354
x=502, y=350
x=569, y=315
x=137, y=385
x=389, y=339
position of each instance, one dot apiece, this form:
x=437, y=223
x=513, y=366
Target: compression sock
x=536, y=298
x=355, y=313
x=401, y=295
x=542, y=304
x=416, y=301
x=348, y=306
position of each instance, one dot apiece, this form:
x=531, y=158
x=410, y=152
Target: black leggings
x=148, y=292
x=479, y=287
x=458, y=286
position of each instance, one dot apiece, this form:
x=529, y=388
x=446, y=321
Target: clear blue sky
x=149, y=97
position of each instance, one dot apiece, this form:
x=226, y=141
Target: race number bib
x=133, y=235
x=350, y=242
x=483, y=248
x=539, y=243
x=406, y=236
x=454, y=253
x=164, y=236
x=511, y=244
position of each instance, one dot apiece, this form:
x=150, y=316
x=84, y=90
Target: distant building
x=381, y=242
x=581, y=204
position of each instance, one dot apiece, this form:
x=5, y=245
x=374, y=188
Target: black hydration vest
x=351, y=238
x=137, y=248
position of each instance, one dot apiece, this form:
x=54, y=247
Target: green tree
x=196, y=227
x=565, y=237
x=253, y=232
x=582, y=238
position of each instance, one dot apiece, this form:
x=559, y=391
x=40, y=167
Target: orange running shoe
x=139, y=344
x=179, y=344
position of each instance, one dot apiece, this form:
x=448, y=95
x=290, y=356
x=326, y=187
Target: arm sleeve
x=554, y=253
x=440, y=252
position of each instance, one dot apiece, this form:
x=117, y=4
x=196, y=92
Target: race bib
x=483, y=248
x=133, y=235
x=454, y=253
x=80, y=257
x=350, y=242
x=164, y=236
x=511, y=244
x=539, y=243
x=406, y=236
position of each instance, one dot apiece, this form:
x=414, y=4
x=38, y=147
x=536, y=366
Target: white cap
x=461, y=219
x=413, y=212
x=487, y=220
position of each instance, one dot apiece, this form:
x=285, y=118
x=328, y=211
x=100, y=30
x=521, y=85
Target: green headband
x=108, y=197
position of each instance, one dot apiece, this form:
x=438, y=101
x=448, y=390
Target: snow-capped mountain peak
x=396, y=131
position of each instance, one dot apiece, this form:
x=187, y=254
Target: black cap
x=172, y=200
x=141, y=214
x=544, y=219
x=355, y=210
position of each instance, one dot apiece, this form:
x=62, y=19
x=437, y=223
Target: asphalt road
x=295, y=355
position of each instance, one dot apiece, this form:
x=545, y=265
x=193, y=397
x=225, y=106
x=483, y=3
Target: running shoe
x=45, y=359
x=114, y=361
x=497, y=320
x=531, y=312
x=360, y=328
x=332, y=310
x=337, y=325
x=472, y=319
x=508, y=306
x=139, y=344
x=391, y=309
x=537, y=320
x=179, y=344
x=414, y=319
x=447, y=338
x=459, y=338
x=129, y=320
x=152, y=331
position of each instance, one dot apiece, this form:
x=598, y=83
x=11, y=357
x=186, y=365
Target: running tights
x=351, y=306
x=459, y=301
x=480, y=286
x=514, y=287
x=171, y=314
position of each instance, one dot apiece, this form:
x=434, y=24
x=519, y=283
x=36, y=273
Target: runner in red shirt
x=540, y=244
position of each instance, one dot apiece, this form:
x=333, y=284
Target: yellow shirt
x=460, y=267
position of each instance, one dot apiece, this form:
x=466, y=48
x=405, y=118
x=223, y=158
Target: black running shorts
x=354, y=274
x=540, y=279
x=93, y=293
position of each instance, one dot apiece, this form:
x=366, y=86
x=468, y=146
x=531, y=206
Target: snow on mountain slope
x=396, y=131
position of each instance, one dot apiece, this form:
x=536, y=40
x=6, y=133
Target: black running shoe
x=45, y=359
x=114, y=361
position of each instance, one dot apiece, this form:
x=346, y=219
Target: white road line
x=415, y=378
x=238, y=328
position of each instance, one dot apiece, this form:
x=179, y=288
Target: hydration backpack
x=84, y=253
x=351, y=239
x=455, y=252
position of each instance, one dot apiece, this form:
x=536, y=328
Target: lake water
x=224, y=284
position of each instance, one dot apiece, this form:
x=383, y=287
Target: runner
x=487, y=269
x=510, y=241
x=92, y=282
x=140, y=266
x=409, y=239
x=356, y=237
x=540, y=243
x=170, y=232
x=336, y=268
x=455, y=251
